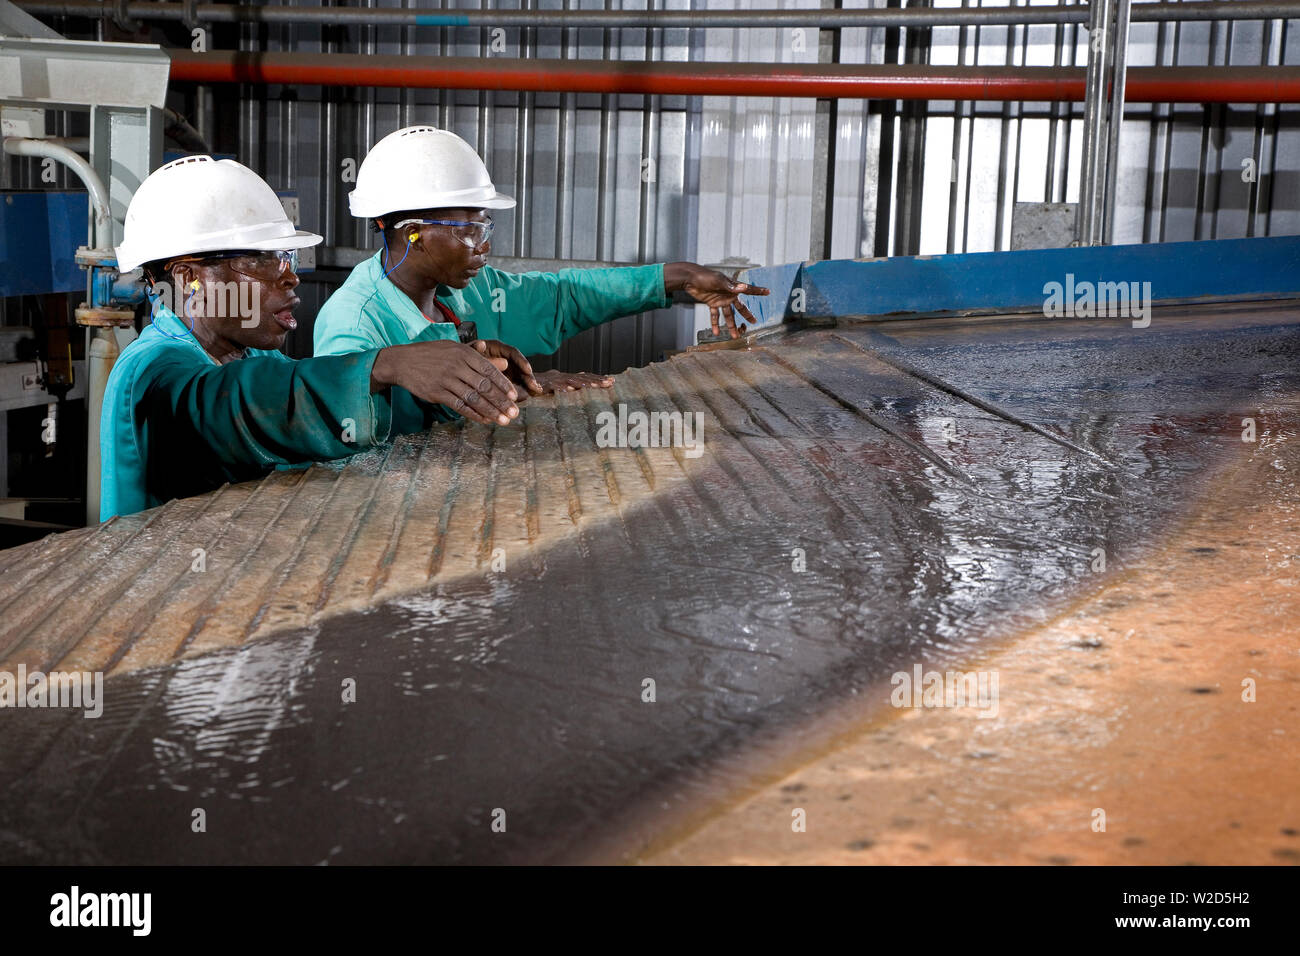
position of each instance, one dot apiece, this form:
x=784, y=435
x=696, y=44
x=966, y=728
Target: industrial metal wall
x=1183, y=170
x=653, y=178
x=596, y=177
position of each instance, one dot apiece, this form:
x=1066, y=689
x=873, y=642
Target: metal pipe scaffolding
x=1152, y=84
x=666, y=19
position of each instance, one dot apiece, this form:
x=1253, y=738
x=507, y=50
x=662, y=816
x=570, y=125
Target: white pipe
x=103, y=227
x=78, y=144
x=100, y=357
x=102, y=348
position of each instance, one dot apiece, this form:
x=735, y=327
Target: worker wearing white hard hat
x=430, y=196
x=204, y=397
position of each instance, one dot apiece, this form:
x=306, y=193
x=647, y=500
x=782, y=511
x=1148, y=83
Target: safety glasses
x=267, y=266
x=472, y=232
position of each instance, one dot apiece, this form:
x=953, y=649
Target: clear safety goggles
x=267, y=266
x=472, y=232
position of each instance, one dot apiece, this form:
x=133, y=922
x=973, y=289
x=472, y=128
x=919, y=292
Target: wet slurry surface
x=1165, y=700
x=870, y=497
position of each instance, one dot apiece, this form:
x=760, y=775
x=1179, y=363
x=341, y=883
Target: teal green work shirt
x=176, y=423
x=533, y=311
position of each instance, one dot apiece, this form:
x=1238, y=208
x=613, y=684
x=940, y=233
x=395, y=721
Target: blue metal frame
x=989, y=282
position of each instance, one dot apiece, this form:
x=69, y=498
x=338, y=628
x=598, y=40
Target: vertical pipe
x=961, y=126
x=825, y=123
x=1208, y=114
x=1116, y=119
x=600, y=345
x=101, y=353
x=202, y=104
x=523, y=159
x=911, y=157
x=329, y=123
x=1222, y=113
x=487, y=121
x=649, y=187
x=444, y=108
x=1094, y=121
x=1012, y=119
x=868, y=178
x=483, y=139
x=1266, y=185
x=1259, y=134
x=1166, y=170
x=365, y=127
x=404, y=45
x=564, y=197
x=885, y=178
x=565, y=158
x=1066, y=123
x=1155, y=182
x=832, y=147
x=1049, y=183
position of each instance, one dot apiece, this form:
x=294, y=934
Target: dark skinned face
x=260, y=318
x=438, y=257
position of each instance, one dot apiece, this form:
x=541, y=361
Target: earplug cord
x=154, y=299
x=383, y=234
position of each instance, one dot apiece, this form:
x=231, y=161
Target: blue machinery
x=123, y=87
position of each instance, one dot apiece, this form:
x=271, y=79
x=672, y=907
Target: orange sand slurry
x=1130, y=703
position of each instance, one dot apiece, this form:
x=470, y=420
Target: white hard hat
x=420, y=167
x=199, y=204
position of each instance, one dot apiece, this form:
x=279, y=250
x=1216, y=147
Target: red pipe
x=1146, y=84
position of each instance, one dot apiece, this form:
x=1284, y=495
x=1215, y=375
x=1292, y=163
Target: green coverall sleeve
x=267, y=411
x=361, y=338
x=542, y=309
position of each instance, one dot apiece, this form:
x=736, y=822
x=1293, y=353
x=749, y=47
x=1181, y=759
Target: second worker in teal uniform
x=430, y=197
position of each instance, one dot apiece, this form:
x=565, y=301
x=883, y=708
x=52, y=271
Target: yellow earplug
x=412, y=237
x=195, y=285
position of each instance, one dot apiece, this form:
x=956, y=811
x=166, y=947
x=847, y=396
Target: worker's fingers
x=458, y=405
x=468, y=401
x=746, y=313
x=713, y=320
x=586, y=380
x=484, y=366
x=731, y=321
x=477, y=384
x=503, y=356
x=447, y=386
x=525, y=368
x=484, y=394
x=487, y=407
x=556, y=381
x=744, y=288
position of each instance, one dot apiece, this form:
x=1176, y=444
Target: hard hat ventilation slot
x=184, y=160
